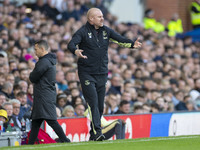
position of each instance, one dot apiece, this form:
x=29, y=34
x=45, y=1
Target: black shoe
x=101, y=137
x=91, y=138
x=68, y=140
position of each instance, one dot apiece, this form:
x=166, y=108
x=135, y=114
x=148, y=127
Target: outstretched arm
x=124, y=42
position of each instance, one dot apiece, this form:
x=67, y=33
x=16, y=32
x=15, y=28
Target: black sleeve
x=120, y=40
x=75, y=41
x=40, y=68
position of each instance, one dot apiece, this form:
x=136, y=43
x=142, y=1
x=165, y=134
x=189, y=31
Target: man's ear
x=43, y=49
x=91, y=19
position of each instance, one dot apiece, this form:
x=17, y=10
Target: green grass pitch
x=159, y=143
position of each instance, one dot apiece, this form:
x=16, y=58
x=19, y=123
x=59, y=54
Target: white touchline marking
x=105, y=142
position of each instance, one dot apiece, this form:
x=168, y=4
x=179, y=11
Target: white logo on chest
x=90, y=35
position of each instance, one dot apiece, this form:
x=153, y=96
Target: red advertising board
x=77, y=129
x=137, y=126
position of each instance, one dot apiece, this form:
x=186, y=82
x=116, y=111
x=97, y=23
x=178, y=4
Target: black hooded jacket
x=44, y=79
x=94, y=44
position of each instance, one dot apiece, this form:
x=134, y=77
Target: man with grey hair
x=9, y=108
x=2, y=98
x=7, y=89
x=16, y=109
x=24, y=85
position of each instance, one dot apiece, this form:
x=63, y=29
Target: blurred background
x=136, y=8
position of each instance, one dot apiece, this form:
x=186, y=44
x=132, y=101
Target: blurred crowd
x=162, y=76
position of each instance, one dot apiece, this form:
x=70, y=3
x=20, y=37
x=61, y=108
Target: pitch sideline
x=104, y=142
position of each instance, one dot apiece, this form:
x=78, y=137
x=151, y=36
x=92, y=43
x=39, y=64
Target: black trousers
x=94, y=88
x=52, y=123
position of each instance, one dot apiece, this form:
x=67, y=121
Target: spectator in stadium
x=16, y=89
x=70, y=12
x=149, y=20
x=23, y=74
x=30, y=94
x=24, y=108
x=163, y=105
x=9, y=108
x=70, y=75
x=112, y=102
x=179, y=96
x=127, y=75
x=124, y=107
x=116, y=84
x=79, y=110
x=77, y=100
x=197, y=84
x=62, y=84
x=2, y=99
x=68, y=111
x=50, y=10
x=11, y=78
x=61, y=101
x=2, y=79
x=7, y=89
x=194, y=13
x=3, y=117
x=175, y=25
x=60, y=56
x=58, y=112
x=75, y=92
x=138, y=109
x=44, y=75
x=126, y=95
x=146, y=108
x=154, y=108
x=72, y=84
x=16, y=110
x=24, y=85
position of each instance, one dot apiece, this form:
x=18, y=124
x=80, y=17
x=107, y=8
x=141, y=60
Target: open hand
x=78, y=53
x=137, y=44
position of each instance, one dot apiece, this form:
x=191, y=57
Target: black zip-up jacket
x=94, y=44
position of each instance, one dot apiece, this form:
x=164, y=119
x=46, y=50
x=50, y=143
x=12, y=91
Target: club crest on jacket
x=87, y=82
x=90, y=35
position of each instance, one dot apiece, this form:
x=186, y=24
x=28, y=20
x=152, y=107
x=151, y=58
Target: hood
x=51, y=57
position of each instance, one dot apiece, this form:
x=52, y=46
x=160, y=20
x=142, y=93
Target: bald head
x=91, y=12
x=95, y=17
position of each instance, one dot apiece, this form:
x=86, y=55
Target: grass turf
x=159, y=143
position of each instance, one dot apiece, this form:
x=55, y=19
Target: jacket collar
x=92, y=26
